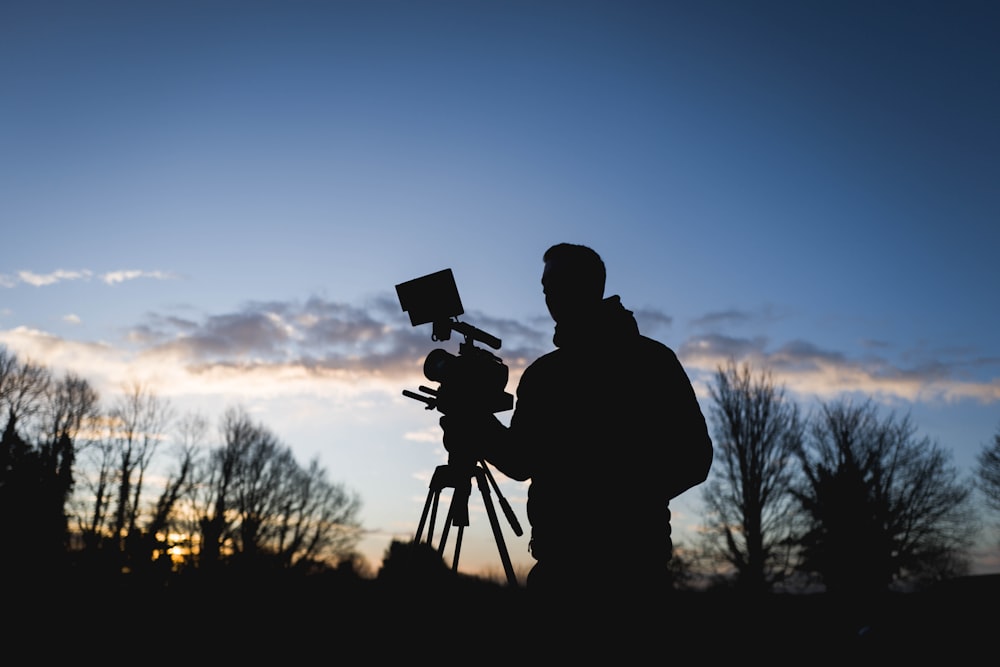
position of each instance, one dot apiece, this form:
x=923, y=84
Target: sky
x=218, y=199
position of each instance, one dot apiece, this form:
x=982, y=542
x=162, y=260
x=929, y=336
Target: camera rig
x=473, y=383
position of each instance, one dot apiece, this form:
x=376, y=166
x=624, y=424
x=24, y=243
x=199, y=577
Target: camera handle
x=429, y=397
x=459, y=478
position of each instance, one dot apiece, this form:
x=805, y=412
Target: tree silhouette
x=249, y=498
x=988, y=472
x=756, y=431
x=880, y=505
x=31, y=513
x=211, y=495
x=36, y=475
x=255, y=505
x=157, y=541
x=93, y=502
x=23, y=387
x=315, y=518
x=138, y=420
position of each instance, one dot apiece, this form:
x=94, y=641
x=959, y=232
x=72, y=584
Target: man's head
x=573, y=281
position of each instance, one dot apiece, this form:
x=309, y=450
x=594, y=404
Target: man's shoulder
x=546, y=361
x=654, y=346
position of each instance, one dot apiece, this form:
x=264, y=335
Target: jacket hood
x=609, y=321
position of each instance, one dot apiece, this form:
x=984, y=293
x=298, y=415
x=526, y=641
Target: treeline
x=80, y=486
x=848, y=499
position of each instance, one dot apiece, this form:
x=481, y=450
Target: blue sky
x=219, y=198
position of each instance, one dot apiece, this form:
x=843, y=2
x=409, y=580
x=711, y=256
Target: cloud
x=43, y=279
x=62, y=275
x=72, y=319
x=115, y=277
x=811, y=371
x=314, y=336
x=734, y=318
x=330, y=348
x=317, y=347
x=94, y=361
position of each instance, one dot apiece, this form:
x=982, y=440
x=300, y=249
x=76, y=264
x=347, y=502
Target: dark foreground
x=326, y=619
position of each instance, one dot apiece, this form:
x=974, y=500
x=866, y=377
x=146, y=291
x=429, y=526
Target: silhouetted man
x=608, y=429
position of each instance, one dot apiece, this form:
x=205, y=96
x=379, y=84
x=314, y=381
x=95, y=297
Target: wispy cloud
x=44, y=279
x=62, y=275
x=737, y=318
x=115, y=277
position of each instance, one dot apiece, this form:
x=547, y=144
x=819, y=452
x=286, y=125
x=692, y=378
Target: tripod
x=459, y=477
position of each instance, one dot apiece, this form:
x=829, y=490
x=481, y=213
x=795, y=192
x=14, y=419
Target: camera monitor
x=431, y=298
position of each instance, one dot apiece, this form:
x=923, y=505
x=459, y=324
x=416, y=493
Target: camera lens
x=438, y=364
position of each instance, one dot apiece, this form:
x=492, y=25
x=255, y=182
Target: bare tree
x=191, y=430
x=253, y=502
x=988, y=472
x=229, y=497
x=138, y=419
x=317, y=520
x=880, y=504
x=248, y=497
x=69, y=409
x=212, y=491
x=8, y=364
x=263, y=469
x=756, y=430
x=95, y=482
x=37, y=456
x=23, y=385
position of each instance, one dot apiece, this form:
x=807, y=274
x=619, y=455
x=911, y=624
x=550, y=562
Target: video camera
x=475, y=379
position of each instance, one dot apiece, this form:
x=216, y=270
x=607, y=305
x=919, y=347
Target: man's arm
x=484, y=437
x=691, y=449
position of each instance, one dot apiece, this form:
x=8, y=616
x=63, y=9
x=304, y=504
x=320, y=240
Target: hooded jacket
x=608, y=428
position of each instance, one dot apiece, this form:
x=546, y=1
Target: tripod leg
x=434, y=510
x=432, y=495
x=458, y=548
x=453, y=519
x=497, y=533
x=458, y=511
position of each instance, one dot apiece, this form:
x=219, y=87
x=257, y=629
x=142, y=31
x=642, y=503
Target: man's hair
x=583, y=262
